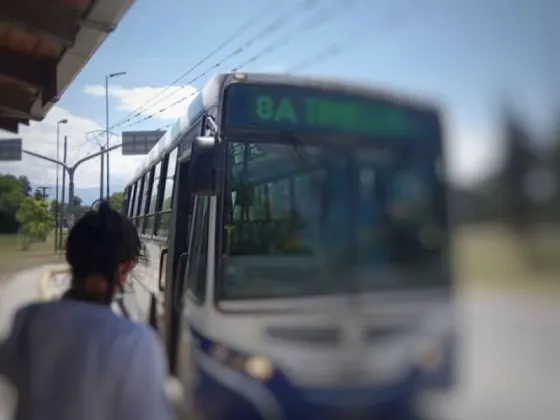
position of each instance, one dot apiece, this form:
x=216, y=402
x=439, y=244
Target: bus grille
x=311, y=335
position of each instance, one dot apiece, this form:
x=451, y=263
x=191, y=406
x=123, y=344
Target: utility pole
x=102, y=174
x=102, y=163
x=107, y=127
x=57, y=208
x=62, y=209
x=107, y=77
x=44, y=191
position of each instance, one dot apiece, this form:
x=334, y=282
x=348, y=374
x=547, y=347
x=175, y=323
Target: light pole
x=102, y=148
x=71, y=170
x=62, y=209
x=57, y=207
x=107, y=77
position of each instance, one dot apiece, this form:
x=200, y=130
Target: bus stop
x=44, y=44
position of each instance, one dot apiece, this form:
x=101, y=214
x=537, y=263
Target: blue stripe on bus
x=295, y=401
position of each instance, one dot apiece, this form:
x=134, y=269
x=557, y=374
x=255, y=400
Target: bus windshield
x=328, y=216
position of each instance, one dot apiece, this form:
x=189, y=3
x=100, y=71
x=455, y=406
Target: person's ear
x=125, y=269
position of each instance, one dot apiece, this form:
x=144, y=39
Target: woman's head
x=102, y=249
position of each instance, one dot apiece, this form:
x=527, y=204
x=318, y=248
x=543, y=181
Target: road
x=509, y=370
x=510, y=367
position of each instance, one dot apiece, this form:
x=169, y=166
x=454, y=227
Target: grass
x=13, y=259
x=490, y=257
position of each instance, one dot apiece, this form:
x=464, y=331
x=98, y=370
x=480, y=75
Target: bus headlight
x=257, y=367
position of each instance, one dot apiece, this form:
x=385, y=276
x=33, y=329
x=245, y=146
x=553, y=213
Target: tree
x=26, y=185
x=77, y=204
x=38, y=194
x=116, y=201
x=36, y=222
x=79, y=208
x=54, y=208
x=11, y=196
x=77, y=201
x=519, y=161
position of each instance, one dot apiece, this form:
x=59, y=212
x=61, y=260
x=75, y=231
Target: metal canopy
x=44, y=44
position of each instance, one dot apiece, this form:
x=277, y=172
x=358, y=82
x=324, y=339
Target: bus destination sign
x=289, y=108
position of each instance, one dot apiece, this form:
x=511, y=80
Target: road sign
x=140, y=142
x=10, y=149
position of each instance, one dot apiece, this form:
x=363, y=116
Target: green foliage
x=503, y=195
x=79, y=208
x=38, y=194
x=54, y=208
x=116, y=201
x=26, y=185
x=13, y=191
x=35, y=219
x=77, y=201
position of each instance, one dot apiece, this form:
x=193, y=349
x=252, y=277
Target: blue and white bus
x=299, y=243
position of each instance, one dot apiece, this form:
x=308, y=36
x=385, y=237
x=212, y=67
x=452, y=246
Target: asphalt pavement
x=509, y=365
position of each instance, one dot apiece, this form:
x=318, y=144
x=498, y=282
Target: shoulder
x=143, y=334
x=139, y=337
x=25, y=312
x=145, y=352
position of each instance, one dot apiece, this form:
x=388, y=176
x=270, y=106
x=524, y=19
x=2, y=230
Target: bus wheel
x=153, y=313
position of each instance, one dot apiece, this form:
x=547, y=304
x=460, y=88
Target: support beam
x=9, y=124
x=51, y=19
x=39, y=73
x=15, y=100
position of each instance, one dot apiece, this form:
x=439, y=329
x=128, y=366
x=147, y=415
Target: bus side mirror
x=201, y=172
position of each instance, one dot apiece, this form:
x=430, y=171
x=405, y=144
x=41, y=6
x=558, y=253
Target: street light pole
x=102, y=160
x=107, y=127
x=71, y=171
x=57, y=207
x=63, y=199
x=102, y=175
x=107, y=77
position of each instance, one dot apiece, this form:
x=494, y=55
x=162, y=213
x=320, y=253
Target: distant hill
x=88, y=195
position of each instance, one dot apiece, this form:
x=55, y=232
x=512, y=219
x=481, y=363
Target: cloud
x=131, y=100
x=41, y=137
x=470, y=153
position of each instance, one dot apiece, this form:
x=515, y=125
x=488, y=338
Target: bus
x=298, y=237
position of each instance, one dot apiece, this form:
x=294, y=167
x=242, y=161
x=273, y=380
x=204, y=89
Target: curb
x=45, y=290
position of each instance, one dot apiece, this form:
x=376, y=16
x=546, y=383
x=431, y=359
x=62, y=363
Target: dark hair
x=97, y=244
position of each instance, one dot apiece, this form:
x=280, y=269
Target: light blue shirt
x=85, y=363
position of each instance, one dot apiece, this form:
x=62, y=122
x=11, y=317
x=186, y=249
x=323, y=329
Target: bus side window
x=198, y=258
x=165, y=221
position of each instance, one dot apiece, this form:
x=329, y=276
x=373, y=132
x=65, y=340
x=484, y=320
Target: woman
x=74, y=358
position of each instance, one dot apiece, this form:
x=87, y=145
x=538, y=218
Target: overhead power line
x=238, y=32
x=314, y=21
x=273, y=27
x=394, y=19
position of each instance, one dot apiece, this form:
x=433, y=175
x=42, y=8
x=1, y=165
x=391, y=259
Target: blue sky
x=465, y=55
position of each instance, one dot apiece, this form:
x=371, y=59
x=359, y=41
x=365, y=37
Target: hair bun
x=105, y=213
x=104, y=208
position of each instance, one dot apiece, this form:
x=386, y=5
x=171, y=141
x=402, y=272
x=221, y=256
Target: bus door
x=177, y=253
x=195, y=307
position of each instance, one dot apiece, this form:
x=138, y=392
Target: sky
x=466, y=56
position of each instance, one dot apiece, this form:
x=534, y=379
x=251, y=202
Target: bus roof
x=195, y=105
x=210, y=95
